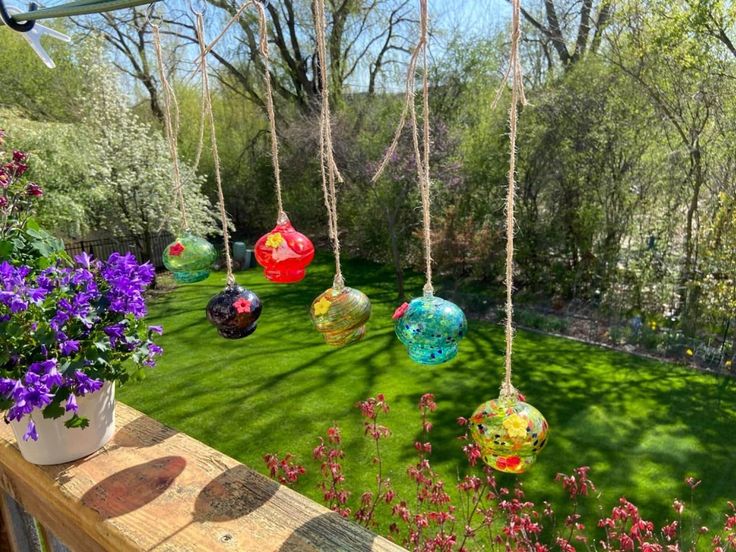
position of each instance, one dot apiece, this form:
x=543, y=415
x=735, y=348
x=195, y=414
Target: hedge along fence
x=710, y=351
x=103, y=247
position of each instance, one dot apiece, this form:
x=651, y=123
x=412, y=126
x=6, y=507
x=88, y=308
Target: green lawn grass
x=642, y=426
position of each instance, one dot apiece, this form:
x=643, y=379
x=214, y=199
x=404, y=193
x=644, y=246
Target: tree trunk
x=153, y=97
x=687, y=295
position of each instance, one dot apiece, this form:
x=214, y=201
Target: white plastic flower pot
x=58, y=444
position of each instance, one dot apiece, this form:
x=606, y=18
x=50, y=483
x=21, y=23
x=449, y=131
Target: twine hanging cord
x=421, y=157
x=517, y=98
x=328, y=166
x=198, y=69
x=171, y=128
x=265, y=59
x=215, y=154
x=329, y=171
x=424, y=182
x=405, y=112
x=263, y=48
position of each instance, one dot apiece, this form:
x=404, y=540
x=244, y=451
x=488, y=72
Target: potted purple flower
x=68, y=333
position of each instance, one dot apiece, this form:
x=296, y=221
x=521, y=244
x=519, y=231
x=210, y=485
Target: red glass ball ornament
x=284, y=253
x=234, y=312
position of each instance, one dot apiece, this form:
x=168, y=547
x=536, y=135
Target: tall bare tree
x=128, y=33
x=570, y=29
x=365, y=37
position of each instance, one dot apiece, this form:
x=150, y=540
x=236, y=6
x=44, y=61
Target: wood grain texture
x=19, y=526
x=152, y=488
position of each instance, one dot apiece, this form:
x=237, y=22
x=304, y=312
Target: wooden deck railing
x=153, y=488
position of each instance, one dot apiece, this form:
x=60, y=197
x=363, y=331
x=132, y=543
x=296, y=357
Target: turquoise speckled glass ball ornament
x=431, y=328
x=509, y=433
x=189, y=258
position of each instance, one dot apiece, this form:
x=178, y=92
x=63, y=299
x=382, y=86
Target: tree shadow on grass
x=642, y=426
x=214, y=407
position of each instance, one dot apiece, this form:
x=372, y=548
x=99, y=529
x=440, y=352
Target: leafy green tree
x=29, y=86
x=718, y=279
x=682, y=74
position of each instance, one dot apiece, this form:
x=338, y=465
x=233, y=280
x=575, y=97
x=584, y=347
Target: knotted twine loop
x=171, y=128
x=263, y=51
x=263, y=48
x=215, y=154
x=208, y=48
x=405, y=112
x=517, y=98
x=328, y=167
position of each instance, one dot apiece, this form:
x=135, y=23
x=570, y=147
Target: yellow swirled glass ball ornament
x=509, y=433
x=340, y=315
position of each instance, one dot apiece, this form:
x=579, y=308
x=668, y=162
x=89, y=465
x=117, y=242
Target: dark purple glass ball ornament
x=234, y=312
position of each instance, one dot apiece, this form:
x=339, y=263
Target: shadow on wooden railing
x=152, y=488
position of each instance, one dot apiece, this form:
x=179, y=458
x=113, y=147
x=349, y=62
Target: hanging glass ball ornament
x=430, y=328
x=509, y=433
x=284, y=253
x=234, y=312
x=189, y=258
x=340, y=315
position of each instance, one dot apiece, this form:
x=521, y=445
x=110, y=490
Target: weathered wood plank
x=51, y=543
x=153, y=488
x=20, y=527
x=7, y=537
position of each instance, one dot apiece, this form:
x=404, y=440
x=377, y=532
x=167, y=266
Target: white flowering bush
x=110, y=171
x=133, y=194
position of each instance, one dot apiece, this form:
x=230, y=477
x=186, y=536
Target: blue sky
x=474, y=13
x=477, y=16
x=473, y=18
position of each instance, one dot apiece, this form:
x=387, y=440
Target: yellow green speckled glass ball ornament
x=189, y=258
x=509, y=433
x=340, y=315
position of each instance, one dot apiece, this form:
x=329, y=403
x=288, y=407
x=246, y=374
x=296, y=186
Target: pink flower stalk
x=479, y=514
x=284, y=469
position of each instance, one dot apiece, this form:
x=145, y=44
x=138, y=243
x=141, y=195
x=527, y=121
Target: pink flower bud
x=34, y=190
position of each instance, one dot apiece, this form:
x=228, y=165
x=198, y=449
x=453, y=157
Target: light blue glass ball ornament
x=431, y=328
